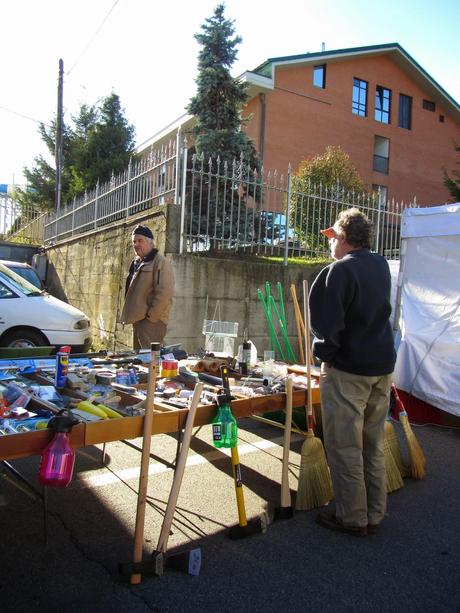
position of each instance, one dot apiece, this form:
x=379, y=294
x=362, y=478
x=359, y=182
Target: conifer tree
x=218, y=102
x=100, y=143
x=221, y=148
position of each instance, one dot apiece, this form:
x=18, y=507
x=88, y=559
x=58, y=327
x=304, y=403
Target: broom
x=393, y=476
x=393, y=445
x=315, y=486
x=416, y=455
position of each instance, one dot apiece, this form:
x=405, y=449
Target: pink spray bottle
x=58, y=457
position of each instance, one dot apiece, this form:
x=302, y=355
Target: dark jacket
x=350, y=309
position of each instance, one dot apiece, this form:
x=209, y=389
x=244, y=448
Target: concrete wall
x=89, y=273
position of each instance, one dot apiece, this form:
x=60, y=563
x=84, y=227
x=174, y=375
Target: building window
x=319, y=76
x=359, y=101
x=429, y=106
x=382, y=194
x=441, y=118
x=381, y=154
x=382, y=104
x=405, y=112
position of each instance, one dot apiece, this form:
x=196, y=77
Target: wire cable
x=90, y=42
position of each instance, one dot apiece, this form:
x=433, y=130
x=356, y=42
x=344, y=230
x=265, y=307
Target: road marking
x=127, y=474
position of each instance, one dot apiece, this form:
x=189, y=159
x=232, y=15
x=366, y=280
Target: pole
x=59, y=131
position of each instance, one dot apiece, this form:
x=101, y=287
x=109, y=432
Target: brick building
x=396, y=123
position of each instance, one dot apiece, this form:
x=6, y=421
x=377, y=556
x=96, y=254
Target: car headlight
x=81, y=324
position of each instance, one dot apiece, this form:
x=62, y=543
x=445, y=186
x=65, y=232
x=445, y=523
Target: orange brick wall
x=301, y=120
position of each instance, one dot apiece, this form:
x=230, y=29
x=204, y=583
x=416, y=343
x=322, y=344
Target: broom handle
x=306, y=314
x=285, y=492
x=298, y=323
x=399, y=403
x=144, y=471
x=179, y=471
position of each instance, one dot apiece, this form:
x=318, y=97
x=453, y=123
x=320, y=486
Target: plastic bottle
x=58, y=457
x=62, y=366
x=224, y=427
x=245, y=355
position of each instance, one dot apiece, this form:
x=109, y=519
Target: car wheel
x=24, y=338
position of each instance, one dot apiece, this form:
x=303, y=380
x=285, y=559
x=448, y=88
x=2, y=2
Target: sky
x=145, y=51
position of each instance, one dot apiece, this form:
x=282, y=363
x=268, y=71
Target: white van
x=30, y=317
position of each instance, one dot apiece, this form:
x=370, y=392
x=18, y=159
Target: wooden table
x=166, y=420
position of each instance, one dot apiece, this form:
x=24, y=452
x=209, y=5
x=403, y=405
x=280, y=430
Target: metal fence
x=19, y=221
x=237, y=209
x=224, y=207
x=143, y=185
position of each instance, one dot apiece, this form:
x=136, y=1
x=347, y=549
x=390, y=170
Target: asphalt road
x=411, y=565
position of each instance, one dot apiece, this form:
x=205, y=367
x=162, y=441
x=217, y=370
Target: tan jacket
x=150, y=293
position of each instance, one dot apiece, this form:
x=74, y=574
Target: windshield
x=28, y=274
x=18, y=282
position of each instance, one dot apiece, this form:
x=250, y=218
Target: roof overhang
x=181, y=124
x=256, y=83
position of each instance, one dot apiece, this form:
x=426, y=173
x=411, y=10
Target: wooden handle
x=299, y=323
x=179, y=471
x=285, y=491
x=306, y=314
x=144, y=471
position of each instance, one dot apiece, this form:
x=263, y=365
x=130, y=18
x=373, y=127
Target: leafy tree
x=100, y=143
x=220, y=144
x=453, y=183
x=319, y=181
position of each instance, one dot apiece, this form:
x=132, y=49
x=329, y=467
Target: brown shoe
x=373, y=528
x=332, y=523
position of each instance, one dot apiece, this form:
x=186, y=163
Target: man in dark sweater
x=350, y=310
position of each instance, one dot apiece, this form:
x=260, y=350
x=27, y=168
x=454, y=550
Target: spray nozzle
x=62, y=423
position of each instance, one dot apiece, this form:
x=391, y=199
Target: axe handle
x=144, y=471
x=179, y=471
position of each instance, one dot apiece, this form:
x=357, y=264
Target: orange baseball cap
x=329, y=232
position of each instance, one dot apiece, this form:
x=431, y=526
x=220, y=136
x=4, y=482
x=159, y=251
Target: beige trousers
x=354, y=409
x=146, y=332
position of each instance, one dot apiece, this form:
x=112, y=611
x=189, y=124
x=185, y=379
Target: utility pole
x=59, y=132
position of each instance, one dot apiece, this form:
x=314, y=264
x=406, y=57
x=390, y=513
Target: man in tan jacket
x=149, y=291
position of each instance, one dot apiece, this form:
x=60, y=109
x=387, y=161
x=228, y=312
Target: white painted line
x=128, y=474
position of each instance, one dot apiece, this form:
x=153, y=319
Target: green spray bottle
x=224, y=427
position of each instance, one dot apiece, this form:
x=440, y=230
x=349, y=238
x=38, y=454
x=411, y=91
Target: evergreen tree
x=218, y=102
x=100, y=143
x=225, y=156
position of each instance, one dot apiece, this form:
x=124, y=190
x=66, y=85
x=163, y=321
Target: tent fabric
x=431, y=221
x=428, y=363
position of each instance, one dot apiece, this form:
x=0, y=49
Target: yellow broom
x=416, y=455
x=393, y=476
x=315, y=486
x=393, y=445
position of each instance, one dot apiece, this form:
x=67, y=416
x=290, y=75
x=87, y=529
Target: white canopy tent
x=428, y=363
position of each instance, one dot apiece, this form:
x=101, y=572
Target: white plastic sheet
x=428, y=363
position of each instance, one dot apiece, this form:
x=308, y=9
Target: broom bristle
x=417, y=457
x=393, y=443
x=393, y=476
x=315, y=486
